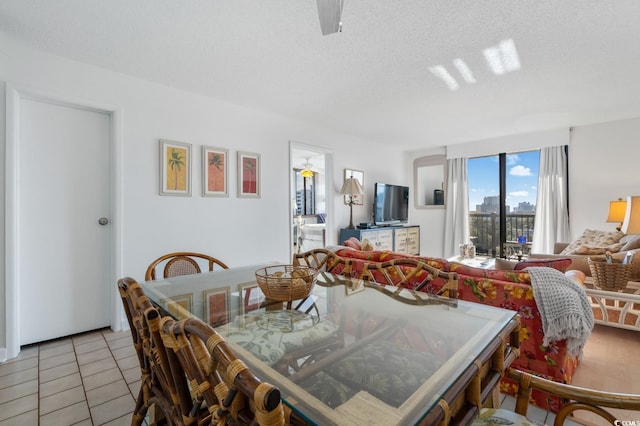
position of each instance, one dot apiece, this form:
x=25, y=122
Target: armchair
x=577, y=399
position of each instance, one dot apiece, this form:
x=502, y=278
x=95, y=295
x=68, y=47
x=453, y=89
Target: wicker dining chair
x=181, y=263
x=163, y=384
x=578, y=398
x=224, y=390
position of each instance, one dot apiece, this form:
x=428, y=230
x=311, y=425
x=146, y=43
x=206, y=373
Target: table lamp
x=617, y=210
x=631, y=224
x=351, y=187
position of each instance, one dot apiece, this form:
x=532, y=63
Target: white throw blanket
x=564, y=308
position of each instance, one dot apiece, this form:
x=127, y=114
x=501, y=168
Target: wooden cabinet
x=407, y=240
x=403, y=239
x=382, y=239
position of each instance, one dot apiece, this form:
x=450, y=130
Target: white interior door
x=63, y=190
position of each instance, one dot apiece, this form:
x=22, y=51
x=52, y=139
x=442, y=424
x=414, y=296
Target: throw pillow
x=593, y=238
x=505, y=265
x=631, y=242
x=366, y=245
x=586, y=249
x=354, y=243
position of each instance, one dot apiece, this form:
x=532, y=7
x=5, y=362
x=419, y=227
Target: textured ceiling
x=579, y=60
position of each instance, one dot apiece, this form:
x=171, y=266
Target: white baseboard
x=3, y=354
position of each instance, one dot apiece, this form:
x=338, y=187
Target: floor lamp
x=351, y=187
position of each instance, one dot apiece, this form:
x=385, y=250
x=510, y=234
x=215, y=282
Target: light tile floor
x=87, y=379
x=90, y=379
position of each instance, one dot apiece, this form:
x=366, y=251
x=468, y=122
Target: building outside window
x=502, y=197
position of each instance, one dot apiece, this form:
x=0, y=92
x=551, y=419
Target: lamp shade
x=351, y=186
x=631, y=224
x=306, y=173
x=617, y=210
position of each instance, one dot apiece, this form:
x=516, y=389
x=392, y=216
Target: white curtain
x=456, y=221
x=552, y=214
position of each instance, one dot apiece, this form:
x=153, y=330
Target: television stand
x=399, y=238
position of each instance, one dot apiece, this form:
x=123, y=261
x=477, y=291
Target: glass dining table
x=355, y=352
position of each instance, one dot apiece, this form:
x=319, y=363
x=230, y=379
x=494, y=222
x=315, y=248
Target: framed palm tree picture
x=248, y=174
x=215, y=174
x=175, y=168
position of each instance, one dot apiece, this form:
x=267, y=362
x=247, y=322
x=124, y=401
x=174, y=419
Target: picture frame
x=178, y=306
x=175, y=168
x=251, y=297
x=359, y=175
x=215, y=172
x=248, y=175
x=217, y=306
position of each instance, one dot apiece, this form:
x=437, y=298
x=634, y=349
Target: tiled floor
x=89, y=379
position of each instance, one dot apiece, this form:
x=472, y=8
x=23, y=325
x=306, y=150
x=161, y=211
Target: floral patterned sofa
x=508, y=289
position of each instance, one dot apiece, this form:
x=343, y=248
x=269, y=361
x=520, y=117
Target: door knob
x=103, y=221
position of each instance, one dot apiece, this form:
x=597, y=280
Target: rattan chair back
x=223, y=388
x=181, y=263
x=319, y=259
x=593, y=401
x=402, y=272
x=163, y=383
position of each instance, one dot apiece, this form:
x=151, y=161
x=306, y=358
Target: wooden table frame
x=479, y=385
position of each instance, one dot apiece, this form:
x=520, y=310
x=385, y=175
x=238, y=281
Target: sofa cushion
x=463, y=271
x=561, y=264
x=593, y=238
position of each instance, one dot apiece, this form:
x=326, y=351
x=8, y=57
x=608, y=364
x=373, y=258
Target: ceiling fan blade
x=330, y=13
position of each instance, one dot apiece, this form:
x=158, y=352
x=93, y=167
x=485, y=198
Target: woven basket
x=610, y=276
x=286, y=282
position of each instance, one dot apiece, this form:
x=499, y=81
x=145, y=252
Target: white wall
x=603, y=165
x=237, y=230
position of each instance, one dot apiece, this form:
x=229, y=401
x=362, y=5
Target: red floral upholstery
x=512, y=290
x=504, y=289
x=360, y=258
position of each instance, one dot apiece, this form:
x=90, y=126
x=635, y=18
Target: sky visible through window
x=522, y=178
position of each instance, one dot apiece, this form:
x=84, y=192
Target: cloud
x=519, y=193
x=512, y=159
x=520, y=171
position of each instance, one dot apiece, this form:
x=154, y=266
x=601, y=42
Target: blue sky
x=522, y=178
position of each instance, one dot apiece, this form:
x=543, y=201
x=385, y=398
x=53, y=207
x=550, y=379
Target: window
x=502, y=197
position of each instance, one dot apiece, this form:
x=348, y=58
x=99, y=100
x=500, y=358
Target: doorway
x=310, y=197
x=60, y=204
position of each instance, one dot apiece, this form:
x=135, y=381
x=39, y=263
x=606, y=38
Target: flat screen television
x=390, y=204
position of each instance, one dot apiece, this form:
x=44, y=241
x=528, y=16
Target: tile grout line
x=120, y=369
x=75, y=355
x=84, y=389
x=121, y=375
